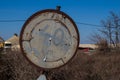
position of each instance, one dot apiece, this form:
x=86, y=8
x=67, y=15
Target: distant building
x=88, y=48
x=91, y=46
x=1, y=44
x=7, y=45
x=14, y=40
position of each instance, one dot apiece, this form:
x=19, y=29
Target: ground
x=13, y=66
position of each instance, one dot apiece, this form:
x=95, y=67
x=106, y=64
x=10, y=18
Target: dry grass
x=93, y=67
x=14, y=66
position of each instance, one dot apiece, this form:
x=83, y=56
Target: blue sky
x=81, y=11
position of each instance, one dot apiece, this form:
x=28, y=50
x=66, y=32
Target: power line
x=88, y=24
x=75, y=22
x=12, y=20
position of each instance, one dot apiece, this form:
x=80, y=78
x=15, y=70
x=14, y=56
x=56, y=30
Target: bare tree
x=101, y=42
x=116, y=25
x=110, y=37
x=111, y=29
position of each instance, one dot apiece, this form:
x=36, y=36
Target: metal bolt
x=58, y=8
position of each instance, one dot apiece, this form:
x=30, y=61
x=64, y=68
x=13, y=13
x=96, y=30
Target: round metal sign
x=49, y=39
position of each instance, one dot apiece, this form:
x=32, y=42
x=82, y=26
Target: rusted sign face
x=49, y=39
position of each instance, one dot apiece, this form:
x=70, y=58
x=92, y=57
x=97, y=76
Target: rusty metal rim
x=32, y=17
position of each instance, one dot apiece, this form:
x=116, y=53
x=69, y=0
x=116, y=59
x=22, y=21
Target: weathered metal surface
x=49, y=39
